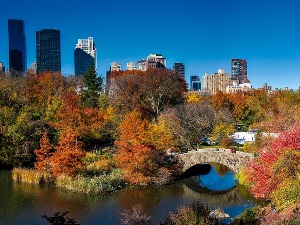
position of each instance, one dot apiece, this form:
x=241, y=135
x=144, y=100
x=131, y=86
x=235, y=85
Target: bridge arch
x=233, y=161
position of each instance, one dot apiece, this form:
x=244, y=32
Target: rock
x=218, y=214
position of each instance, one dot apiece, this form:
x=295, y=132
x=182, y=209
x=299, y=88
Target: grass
x=92, y=185
x=31, y=176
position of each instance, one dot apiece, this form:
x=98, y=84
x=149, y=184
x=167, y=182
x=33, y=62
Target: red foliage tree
x=269, y=170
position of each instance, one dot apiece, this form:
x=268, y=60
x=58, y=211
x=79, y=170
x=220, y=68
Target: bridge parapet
x=233, y=160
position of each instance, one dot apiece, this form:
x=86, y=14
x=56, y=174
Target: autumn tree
x=68, y=155
x=44, y=154
x=190, y=122
x=150, y=91
x=278, y=163
x=85, y=122
x=139, y=155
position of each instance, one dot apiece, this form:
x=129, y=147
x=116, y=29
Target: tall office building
x=85, y=56
x=142, y=65
x=195, y=84
x=216, y=82
x=239, y=70
x=131, y=66
x=115, y=66
x=17, y=45
x=156, y=61
x=2, y=68
x=179, y=67
x=48, y=57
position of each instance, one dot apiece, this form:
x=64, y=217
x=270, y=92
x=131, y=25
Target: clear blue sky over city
x=203, y=34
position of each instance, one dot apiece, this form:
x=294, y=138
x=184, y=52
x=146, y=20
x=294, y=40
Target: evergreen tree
x=92, y=87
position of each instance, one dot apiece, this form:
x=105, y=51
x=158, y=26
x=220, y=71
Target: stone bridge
x=233, y=161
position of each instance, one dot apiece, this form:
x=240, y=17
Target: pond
x=26, y=204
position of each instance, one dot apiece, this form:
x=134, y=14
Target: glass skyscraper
x=84, y=56
x=17, y=45
x=48, y=57
x=239, y=70
x=195, y=84
x=179, y=67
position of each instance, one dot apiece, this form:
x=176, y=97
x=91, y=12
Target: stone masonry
x=233, y=161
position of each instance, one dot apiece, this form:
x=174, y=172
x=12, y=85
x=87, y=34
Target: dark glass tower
x=239, y=70
x=48, y=56
x=83, y=61
x=179, y=67
x=17, y=46
x=195, y=83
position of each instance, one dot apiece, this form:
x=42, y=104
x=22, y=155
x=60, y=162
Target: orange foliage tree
x=67, y=159
x=83, y=121
x=44, y=154
x=138, y=158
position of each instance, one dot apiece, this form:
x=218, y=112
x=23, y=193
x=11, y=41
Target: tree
x=190, y=122
x=133, y=154
x=68, y=155
x=277, y=162
x=150, y=91
x=92, y=87
x=44, y=154
x=85, y=122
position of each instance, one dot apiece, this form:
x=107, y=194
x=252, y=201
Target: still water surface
x=26, y=204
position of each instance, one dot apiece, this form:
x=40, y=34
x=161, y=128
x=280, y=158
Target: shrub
x=101, y=164
x=135, y=216
x=287, y=195
x=250, y=216
x=92, y=185
x=192, y=214
x=60, y=218
x=31, y=176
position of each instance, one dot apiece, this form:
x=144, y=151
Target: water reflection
x=220, y=178
x=25, y=204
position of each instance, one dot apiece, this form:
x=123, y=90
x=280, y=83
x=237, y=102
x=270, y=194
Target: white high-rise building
x=156, y=61
x=142, y=65
x=88, y=46
x=131, y=66
x=115, y=66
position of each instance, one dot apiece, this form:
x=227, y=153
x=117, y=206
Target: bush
x=287, y=194
x=60, y=218
x=192, y=214
x=250, y=216
x=99, y=164
x=92, y=185
x=31, y=176
x=135, y=216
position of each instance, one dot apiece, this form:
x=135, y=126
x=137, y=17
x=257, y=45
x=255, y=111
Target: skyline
x=204, y=35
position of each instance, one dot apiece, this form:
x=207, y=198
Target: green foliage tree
x=92, y=87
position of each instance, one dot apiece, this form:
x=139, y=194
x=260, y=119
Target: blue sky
x=203, y=34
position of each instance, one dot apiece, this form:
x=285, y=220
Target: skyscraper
x=131, y=66
x=179, y=67
x=17, y=46
x=48, y=56
x=239, y=70
x=216, y=82
x=115, y=66
x=85, y=56
x=2, y=68
x=195, y=84
x=156, y=61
